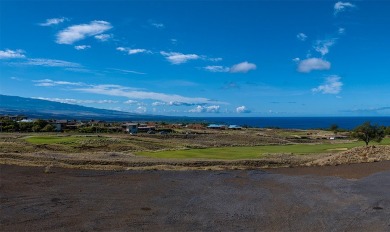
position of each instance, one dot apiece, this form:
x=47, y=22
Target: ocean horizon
x=294, y=122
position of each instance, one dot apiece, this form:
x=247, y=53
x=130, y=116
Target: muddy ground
x=332, y=198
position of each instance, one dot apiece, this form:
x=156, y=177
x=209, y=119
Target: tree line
x=365, y=132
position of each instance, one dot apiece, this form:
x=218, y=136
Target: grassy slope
x=232, y=153
x=223, y=153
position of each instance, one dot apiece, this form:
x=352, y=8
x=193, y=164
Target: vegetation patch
x=235, y=153
x=50, y=139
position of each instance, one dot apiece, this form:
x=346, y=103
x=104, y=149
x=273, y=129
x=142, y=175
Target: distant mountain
x=35, y=108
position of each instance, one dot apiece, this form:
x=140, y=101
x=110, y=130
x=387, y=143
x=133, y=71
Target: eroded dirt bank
x=242, y=200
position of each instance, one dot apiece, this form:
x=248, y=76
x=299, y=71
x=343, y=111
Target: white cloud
x=342, y=6
x=11, y=54
x=341, y=31
x=103, y=37
x=214, y=59
x=158, y=25
x=332, y=85
x=301, y=36
x=311, y=64
x=205, y=109
x=133, y=51
x=49, y=82
x=76, y=101
x=243, y=67
x=322, y=46
x=79, y=32
x=141, y=110
x=127, y=71
x=158, y=103
x=296, y=59
x=138, y=50
x=179, y=58
x=53, y=21
x=15, y=78
x=242, y=109
x=131, y=102
x=217, y=68
x=129, y=92
x=122, y=91
x=82, y=47
x=52, y=63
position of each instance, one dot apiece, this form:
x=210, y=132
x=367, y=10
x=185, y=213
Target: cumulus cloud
x=76, y=101
x=243, y=67
x=141, y=110
x=311, y=64
x=179, y=58
x=242, y=109
x=205, y=109
x=332, y=85
x=301, y=36
x=322, y=46
x=53, y=21
x=11, y=54
x=103, y=37
x=79, y=32
x=342, y=6
x=82, y=47
x=132, y=51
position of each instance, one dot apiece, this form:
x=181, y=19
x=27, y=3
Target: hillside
x=36, y=108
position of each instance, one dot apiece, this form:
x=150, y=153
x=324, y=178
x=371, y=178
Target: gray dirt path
x=251, y=200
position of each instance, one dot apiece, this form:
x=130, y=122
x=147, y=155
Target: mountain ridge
x=38, y=108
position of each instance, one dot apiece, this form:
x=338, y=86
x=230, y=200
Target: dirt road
x=251, y=200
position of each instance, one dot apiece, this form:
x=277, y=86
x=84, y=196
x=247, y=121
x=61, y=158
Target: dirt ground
x=331, y=198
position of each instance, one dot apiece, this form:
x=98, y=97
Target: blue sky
x=200, y=58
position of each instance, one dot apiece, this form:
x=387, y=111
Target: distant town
x=19, y=123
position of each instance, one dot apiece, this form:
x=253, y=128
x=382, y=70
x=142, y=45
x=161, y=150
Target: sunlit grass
x=54, y=139
x=234, y=153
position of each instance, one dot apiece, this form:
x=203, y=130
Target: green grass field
x=223, y=153
x=234, y=153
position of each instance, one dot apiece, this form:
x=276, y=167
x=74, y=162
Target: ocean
x=295, y=122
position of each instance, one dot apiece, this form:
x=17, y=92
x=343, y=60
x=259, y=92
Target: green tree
x=367, y=132
x=387, y=130
x=8, y=125
x=25, y=126
x=41, y=123
x=48, y=128
x=334, y=128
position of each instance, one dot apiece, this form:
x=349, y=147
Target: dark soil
x=311, y=199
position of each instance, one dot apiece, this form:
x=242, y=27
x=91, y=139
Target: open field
x=211, y=149
x=234, y=153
